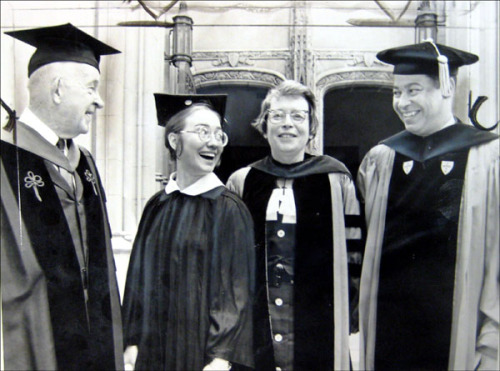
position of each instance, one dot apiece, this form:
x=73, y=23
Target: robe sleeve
x=373, y=184
x=474, y=335
x=354, y=229
x=27, y=341
x=236, y=181
x=139, y=292
x=231, y=292
x=487, y=346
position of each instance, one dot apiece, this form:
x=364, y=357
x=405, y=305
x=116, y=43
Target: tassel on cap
x=444, y=71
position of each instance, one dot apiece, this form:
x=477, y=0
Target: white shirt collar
x=452, y=121
x=31, y=120
x=202, y=185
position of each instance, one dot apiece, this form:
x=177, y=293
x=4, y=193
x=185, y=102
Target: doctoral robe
x=79, y=299
x=302, y=302
x=474, y=278
x=189, y=283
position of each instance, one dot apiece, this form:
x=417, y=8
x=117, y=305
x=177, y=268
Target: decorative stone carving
x=353, y=58
x=337, y=55
x=301, y=66
x=237, y=58
x=366, y=60
x=233, y=59
x=235, y=76
x=190, y=86
x=358, y=76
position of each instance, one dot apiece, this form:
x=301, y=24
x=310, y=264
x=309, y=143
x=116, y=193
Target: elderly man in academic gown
x=429, y=296
x=60, y=301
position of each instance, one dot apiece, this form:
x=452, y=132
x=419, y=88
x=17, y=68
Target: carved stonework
x=337, y=55
x=301, y=66
x=366, y=60
x=236, y=76
x=190, y=87
x=361, y=76
x=352, y=58
x=233, y=60
x=240, y=58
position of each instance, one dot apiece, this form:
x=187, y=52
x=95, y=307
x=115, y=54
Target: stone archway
x=238, y=76
x=356, y=113
x=246, y=89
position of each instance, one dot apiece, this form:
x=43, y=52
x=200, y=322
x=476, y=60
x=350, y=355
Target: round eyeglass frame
x=205, y=135
x=295, y=122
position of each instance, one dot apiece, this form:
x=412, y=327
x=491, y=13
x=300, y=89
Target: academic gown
x=301, y=311
x=467, y=212
x=190, y=281
x=66, y=330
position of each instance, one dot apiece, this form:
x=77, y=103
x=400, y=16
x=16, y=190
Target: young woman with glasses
x=187, y=303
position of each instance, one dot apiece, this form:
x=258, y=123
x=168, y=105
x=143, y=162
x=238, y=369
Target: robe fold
x=475, y=307
x=189, y=282
x=327, y=214
x=80, y=298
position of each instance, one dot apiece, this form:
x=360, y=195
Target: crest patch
x=407, y=166
x=447, y=166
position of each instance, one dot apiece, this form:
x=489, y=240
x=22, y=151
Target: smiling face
x=288, y=140
x=418, y=101
x=197, y=158
x=79, y=99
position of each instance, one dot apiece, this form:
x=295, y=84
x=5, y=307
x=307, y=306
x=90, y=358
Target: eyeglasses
x=279, y=116
x=205, y=135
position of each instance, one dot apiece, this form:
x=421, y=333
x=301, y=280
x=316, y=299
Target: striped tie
x=68, y=176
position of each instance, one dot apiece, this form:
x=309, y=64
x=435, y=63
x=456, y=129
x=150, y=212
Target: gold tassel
x=444, y=76
x=444, y=71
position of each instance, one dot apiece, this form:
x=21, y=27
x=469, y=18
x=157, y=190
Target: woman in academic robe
x=187, y=302
x=306, y=215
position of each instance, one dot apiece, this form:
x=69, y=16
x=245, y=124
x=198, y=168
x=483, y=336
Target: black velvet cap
x=167, y=105
x=422, y=58
x=63, y=43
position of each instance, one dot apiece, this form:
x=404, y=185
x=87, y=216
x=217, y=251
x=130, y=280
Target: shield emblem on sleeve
x=447, y=166
x=407, y=166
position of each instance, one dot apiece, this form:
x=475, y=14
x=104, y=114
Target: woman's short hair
x=288, y=88
x=177, y=123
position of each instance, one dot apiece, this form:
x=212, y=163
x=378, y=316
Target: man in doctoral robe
x=429, y=296
x=60, y=301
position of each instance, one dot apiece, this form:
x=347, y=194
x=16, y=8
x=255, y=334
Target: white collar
x=202, y=185
x=32, y=120
x=451, y=121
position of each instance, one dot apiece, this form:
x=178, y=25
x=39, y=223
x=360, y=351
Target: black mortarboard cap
x=167, y=105
x=63, y=43
x=427, y=58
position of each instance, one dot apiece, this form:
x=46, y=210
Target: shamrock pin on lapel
x=34, y=181
x=91, y=179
